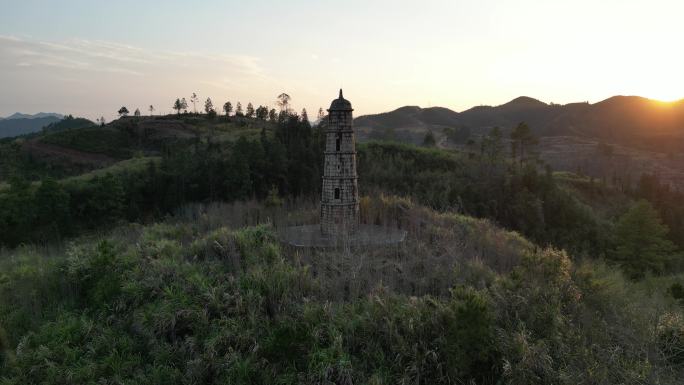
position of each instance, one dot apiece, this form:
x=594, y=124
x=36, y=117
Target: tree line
x=286, y=162
x=514, y=189
x=486, y=181
x=180, y=105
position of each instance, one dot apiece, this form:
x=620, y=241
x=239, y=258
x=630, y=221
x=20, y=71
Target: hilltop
x=203, y=297
x=72, y=146
x=192, y=157
x=629, y=120
x=147, y=250
x=621, y=137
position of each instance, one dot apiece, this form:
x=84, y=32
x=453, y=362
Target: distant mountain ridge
x=21, y=124
x=620, y=119
x=19, y=115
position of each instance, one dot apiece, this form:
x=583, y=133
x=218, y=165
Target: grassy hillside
x=132, y=166
x=15, y=160
x=626, y=120
x=509, y=273
x=201, y=299
x=182, y=159
x=68, y=123
x=99, y=140
x=74, y=146
x=285, y=163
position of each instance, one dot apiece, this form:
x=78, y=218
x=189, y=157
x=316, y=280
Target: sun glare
x=666, y=96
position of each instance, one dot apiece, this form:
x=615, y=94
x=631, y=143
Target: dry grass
x=440, y=251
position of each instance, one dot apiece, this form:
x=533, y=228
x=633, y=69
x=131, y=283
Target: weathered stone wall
x=339, y=220
x=347, y=191
x=340, y=212
x=340, y=165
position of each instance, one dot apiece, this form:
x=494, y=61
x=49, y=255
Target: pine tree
x=429, y=139
x=239, y=183
x=228, y=108
x=208, y=106
x=262, y=113
x=250, y=110
x=521, y=142
x=641, y=241
x=284, y=102
x=491, y=147
x=238, y=109
x=178, y=106
x=305, y=116
x=52, y=205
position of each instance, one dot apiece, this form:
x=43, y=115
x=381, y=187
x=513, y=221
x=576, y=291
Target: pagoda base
x=365, y=235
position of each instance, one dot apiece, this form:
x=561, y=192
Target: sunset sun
x=668, y=96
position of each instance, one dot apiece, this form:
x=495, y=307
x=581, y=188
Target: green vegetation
x=522, y=142
x=429, y=140
x=133, y=166
x=187, y=171
x=641, y=243
x=246, y=162
x=15, y=161
x=193, y=301
x=108, y=140
x=486, y=185
x=510, y=274
x=68, y=123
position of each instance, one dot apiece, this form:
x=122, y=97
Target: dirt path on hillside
x=45, y=150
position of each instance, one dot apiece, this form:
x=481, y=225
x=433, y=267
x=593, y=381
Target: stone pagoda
x=340, y=225
x=340, y=197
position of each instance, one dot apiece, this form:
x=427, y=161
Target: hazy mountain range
x=622, y=119
x=19, y=115
x=22, y=124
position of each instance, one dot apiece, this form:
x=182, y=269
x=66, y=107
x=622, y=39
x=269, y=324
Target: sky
x=89, y=58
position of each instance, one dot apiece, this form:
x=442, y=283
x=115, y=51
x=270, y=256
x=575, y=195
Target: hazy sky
x=89, y=57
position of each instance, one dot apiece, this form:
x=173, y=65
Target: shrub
x=670, y=336
x=642, y=245
x=97, y=273
x=676, y=290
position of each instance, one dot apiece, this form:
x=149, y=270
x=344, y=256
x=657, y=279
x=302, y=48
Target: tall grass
x=212, y=296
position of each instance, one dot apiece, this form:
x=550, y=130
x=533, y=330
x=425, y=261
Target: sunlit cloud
x=79, y=54
x=455, y=54
x=108, y=71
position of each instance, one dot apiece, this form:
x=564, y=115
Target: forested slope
x=197, y=299
x=167, y=267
